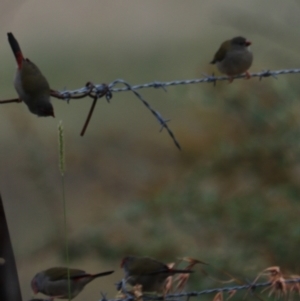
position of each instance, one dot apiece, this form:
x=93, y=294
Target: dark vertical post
x=9, y=282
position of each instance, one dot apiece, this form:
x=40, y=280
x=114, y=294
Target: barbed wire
x=172, y=297
x=157, y=84
x=96, y=91
x=103, y=89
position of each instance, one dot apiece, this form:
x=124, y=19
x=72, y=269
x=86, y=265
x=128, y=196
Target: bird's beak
x=122, y=263
x=248, y=43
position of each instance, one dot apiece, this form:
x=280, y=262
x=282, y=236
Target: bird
x=53, y=282
x=148, y=272
x=31, y=85
x=234, y=57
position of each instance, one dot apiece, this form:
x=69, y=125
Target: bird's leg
x=248, y=75
x=230, y=78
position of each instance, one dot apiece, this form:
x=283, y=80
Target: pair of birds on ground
x=232, y=58
x=145, y=271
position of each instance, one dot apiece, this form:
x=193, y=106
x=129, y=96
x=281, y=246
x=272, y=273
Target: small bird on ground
x=30, y=84
x=148, y=272
x=53, y=282
x=234, y=57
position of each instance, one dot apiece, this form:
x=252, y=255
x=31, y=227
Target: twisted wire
x=172, y=297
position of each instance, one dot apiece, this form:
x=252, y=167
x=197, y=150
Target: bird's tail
x=90, y=277
x=102, y=274
x=15, y=48
x=171, y=271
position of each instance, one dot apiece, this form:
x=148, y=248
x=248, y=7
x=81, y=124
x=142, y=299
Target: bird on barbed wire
x=234, y=57
x=148, y=272
x=30, y=84
x=53, y=282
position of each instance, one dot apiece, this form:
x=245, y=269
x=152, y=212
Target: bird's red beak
x=34, y=287
x=122, y=262
x=248, y=43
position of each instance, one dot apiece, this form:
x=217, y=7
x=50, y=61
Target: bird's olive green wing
x=62, y=273
x=34, y=82
x=145, y=266
x=221, y=53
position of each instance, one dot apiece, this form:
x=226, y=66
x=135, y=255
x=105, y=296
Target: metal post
x=9, y=282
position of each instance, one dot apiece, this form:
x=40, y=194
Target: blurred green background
x=230, y=197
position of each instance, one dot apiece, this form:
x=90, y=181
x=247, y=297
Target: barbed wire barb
x=155, y=113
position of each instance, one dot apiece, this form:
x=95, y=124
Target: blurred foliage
x=235, y=204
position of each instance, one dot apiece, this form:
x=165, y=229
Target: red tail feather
x=15, y=48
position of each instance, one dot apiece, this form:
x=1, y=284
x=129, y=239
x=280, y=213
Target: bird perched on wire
x=148, y=272
x=30, y=84
x=53, y=282
x=234, y=57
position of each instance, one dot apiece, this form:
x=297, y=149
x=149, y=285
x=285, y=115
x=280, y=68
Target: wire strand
x=187, y=295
